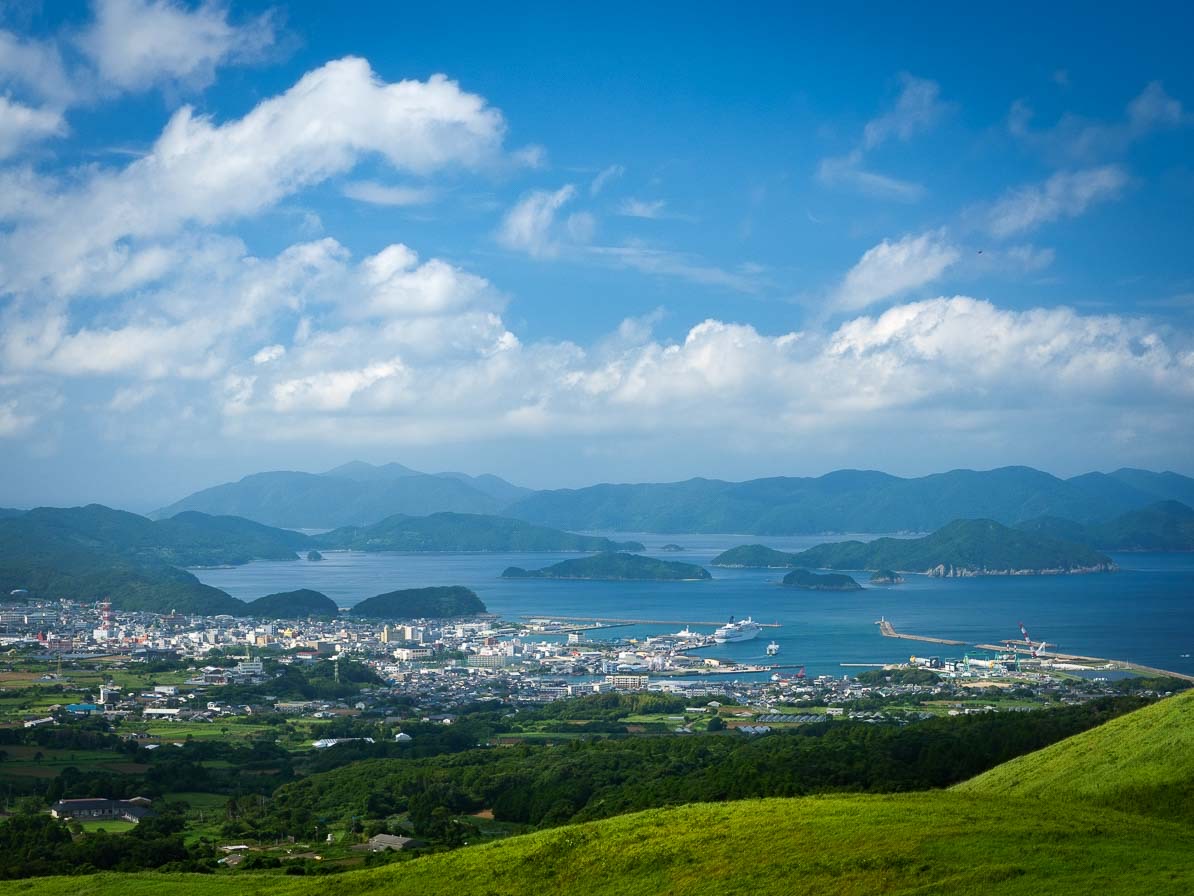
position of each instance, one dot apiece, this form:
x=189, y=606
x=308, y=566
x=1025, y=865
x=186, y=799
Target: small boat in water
x=772, y=649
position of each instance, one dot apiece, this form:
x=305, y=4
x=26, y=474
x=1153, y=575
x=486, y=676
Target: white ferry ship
x=733, y=631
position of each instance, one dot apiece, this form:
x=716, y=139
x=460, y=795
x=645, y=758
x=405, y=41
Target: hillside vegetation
x=929, y=843
x=811, y=581
x=94, y=552
x=1144, y=760
x=964, y=547
x=1042, y=823
x=1164, y=526
x=441, y=601
x=300, y=604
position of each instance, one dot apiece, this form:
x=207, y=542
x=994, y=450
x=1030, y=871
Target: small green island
x=754, y=556
x=886, y=577
x=314, y=555
x=301, y=604
x=437, y=602
x=672, y=548
x=614, y=567
x=811, y=581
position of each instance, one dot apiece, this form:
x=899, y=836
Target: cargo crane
x=1034, y=649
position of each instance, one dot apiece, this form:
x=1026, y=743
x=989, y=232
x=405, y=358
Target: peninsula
x=962, y=548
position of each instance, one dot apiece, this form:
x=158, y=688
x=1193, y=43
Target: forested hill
x=962, y=548
x=93, y=552
x=465, y=532
x=1164, y=526
x=355, y=494
x=438, y=602
x=811, y=581
x=850, y=501
x=300, y=604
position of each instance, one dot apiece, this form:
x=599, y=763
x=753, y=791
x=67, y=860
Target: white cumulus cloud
x=21, y=125
x=201, y=172
x=136, y=44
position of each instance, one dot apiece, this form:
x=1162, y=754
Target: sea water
x=1144, y=613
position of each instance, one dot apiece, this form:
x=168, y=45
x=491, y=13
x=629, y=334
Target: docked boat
x=733, y=632
x=772, y=649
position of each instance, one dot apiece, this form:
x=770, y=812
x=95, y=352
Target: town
x=447, y=664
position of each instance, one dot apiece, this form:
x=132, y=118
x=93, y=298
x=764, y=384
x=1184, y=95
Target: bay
x=1144, y=613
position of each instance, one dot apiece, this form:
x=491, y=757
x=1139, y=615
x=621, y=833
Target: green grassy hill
x=932, y=843
x=1042, y=823
x=1144, y=760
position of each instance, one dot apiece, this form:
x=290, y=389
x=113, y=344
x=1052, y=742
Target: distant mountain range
x=360, y=494
x=850, y=501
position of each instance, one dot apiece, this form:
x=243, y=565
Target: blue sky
x=646, y=242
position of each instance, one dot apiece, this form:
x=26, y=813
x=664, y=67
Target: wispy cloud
x=604, y=177
x=1075, y=137
x=917, y=109
x=1066, y=194
x=848, y=170
x=642, y=208
x=383, y=194
x=667, y=263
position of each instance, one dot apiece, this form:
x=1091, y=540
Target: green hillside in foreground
x=1041, y=823
x=1144, y=760
x=927, y=843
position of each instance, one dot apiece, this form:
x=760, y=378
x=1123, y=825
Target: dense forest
x=590, y=779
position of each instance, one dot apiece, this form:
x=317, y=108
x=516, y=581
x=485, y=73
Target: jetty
x=888, y=631
x=567, y=620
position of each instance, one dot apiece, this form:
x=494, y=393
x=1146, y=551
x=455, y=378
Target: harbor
x=1036, y=652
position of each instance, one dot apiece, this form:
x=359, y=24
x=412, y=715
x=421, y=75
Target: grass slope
x=930, y=843
x=1039, y=824
x=1144, y=760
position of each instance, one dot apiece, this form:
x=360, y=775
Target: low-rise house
x=386, y=842
x=103, y=810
